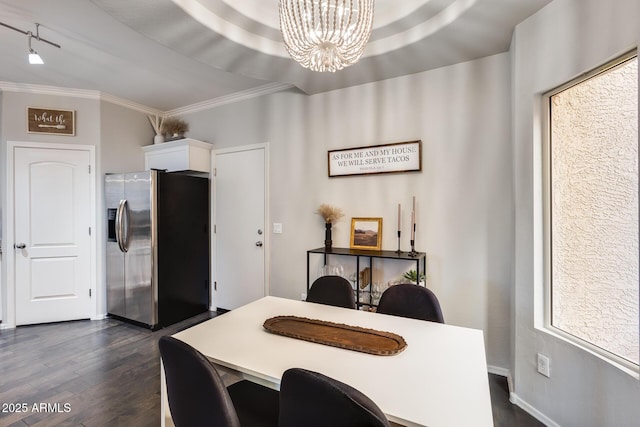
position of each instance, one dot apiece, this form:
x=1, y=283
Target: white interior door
x=240, y=202
x=52, y=193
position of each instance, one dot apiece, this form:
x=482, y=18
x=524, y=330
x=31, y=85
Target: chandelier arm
x=358, y=27
x=337, y=29
x=311, y=25
x=320, y=27
x=308, y=23
x=294, y=25
x=364, y=21
x=290, y=12
x=348, y=17
x=362, y=18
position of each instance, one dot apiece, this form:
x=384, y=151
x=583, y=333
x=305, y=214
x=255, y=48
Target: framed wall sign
x=366, y=233
x=50, y=121
x=389, y=158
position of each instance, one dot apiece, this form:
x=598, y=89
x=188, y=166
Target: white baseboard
x=8, y=326
x=516, y=400
x=497, y=370
x=503, y=372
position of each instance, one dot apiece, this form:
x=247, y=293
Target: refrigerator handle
x=120, y=238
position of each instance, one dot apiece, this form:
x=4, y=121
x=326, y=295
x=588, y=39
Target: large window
x=592, y=228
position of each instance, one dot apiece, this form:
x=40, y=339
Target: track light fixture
x=34, y=58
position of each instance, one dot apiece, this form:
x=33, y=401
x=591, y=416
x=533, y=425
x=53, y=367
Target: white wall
x=14, y=128
x=117, y=133
x=464, y=193
x=123, y=133
x=563, y=40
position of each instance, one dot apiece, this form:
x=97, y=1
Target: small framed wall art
x=366, y=233
x=50, y=121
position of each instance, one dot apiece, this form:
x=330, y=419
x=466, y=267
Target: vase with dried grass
x=330, y=214
x=157, y=123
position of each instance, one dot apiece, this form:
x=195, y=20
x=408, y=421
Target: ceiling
x=168, y=54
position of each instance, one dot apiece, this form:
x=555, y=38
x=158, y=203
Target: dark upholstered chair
x=198, y=397
x=311, y=399
x=332, y=290
x=409, y=300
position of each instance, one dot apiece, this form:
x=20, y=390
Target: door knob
x=259, y=243
x=19, y=246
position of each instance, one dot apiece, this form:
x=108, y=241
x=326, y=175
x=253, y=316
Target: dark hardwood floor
x=107, y=373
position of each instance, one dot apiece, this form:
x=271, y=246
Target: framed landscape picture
x=366, y=233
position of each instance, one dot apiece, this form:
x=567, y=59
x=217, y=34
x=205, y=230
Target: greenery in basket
x=412, y=276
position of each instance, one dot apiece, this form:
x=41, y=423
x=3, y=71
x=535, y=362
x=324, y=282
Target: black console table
x=419, y=258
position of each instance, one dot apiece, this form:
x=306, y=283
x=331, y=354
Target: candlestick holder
x=399, y=251
x=413, y=252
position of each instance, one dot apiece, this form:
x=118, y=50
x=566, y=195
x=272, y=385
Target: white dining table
x=440, y=379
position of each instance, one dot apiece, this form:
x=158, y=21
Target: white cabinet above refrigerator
x=180, y=155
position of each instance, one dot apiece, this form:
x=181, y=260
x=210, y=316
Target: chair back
x=332, y=290
x=196, y=393
x=410, y=300
x=311, y=399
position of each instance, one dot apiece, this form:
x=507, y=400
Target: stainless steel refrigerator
x=157, y=246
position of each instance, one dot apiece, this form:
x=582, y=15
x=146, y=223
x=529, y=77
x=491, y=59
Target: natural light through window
x=592, y=202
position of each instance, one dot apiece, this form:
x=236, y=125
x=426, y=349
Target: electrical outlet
x=277, y=228
x=544, y=365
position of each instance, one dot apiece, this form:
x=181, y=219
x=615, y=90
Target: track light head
x=34, y=58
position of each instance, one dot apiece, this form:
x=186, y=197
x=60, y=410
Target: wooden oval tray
x=337, y=335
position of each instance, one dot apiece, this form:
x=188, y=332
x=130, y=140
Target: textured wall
x=594, y=186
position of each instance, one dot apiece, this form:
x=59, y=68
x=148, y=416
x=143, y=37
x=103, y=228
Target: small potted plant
x=412, y=277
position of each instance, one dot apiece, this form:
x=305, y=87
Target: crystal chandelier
x=326, y=35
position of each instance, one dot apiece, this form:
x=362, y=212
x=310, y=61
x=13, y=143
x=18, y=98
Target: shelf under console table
x=419, y=258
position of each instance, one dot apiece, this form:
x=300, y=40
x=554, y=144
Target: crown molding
x=229, y=99
x=100, y=96
x=48, y=90
x=75, y=93
x=129, y=104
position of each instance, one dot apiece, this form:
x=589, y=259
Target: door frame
x=9, y=253
x=267, y=234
